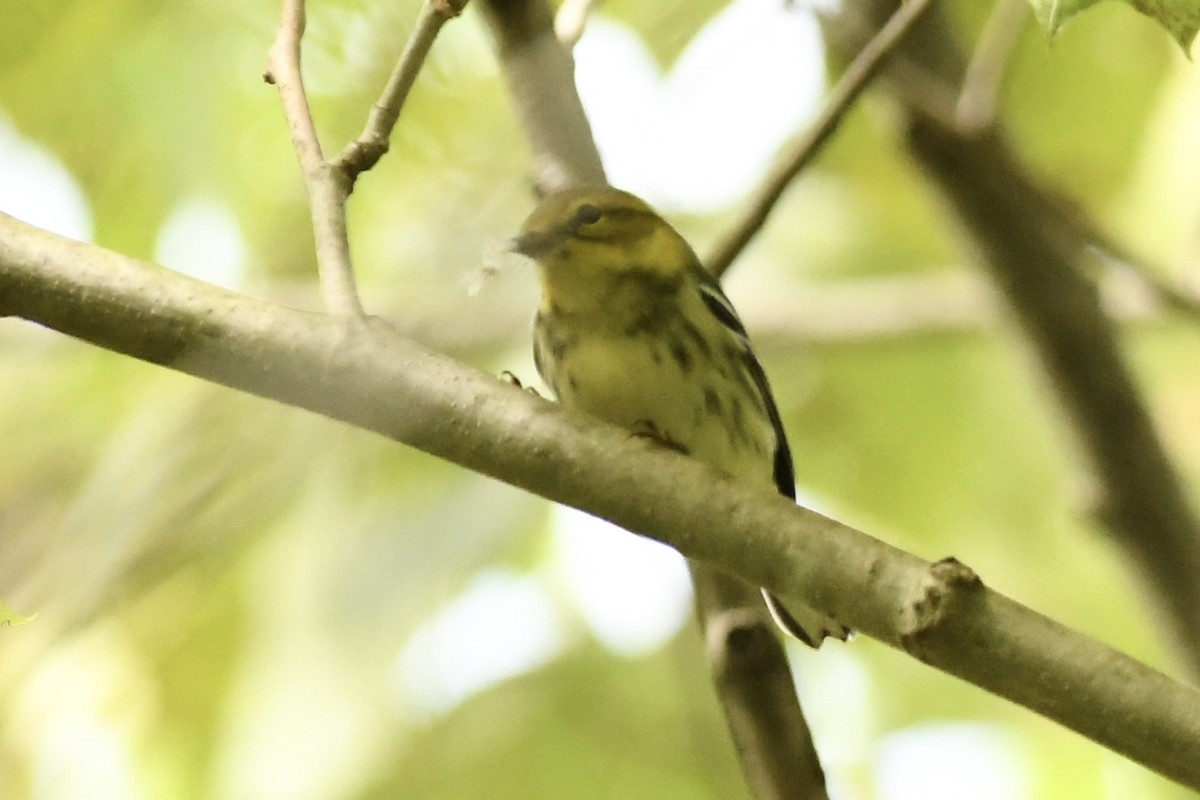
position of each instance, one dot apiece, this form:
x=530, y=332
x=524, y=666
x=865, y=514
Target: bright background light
x=634, y=594
x=950, y=761
x=37, y=188
x=202, y=238
x=701, y=135
x=502, y=625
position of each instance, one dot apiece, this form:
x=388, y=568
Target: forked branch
x=330, y=183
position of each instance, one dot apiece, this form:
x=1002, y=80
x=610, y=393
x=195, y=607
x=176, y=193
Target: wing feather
x=717, y=303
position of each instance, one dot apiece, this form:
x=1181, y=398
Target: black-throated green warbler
x=633, y=330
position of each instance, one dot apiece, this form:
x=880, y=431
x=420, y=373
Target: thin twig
x=362, y=153
x=329, y=183
x=1177, y=299
x=976, y=107
x=1172, y=296
x=1073, y=221
x=283, y=72
x=801, y=151
x=572, y=18
x=327, y=191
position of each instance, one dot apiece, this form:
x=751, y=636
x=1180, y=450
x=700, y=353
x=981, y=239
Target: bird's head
x=590, y=239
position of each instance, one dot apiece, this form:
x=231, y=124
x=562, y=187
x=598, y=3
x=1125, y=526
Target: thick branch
x=376, y=380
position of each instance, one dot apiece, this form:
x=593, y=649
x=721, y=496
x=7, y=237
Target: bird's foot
x=514, y=381
x=645, y=429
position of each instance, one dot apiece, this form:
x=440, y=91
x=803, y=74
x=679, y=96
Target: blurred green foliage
x=223, y=585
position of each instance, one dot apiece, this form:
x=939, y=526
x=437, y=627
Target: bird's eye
x=587, y=214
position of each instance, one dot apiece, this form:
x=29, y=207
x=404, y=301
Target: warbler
x=632, y=329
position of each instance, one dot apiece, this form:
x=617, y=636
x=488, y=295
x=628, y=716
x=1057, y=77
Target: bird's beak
x=531, y=244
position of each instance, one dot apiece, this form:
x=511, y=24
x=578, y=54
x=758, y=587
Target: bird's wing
x=716, y=302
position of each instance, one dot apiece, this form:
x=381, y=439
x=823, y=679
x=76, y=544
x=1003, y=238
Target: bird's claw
x=514, y=381
x=646, y=429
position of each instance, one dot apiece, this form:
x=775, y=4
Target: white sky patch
x=35, y=187
x=949, y=761
x=501, y=626
x=633, y=593
x=202, y=238
x=701, y=136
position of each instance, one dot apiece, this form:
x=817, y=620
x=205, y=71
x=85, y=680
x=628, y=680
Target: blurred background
x=236, y=599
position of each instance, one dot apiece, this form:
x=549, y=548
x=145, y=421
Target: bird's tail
x=807, y=625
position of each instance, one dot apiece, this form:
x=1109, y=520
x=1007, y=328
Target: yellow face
x=587, y=239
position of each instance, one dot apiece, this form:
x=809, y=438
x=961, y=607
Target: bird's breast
x=672, y=378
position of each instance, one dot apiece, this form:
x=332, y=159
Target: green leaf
x=8, y=617
x=1180, y=17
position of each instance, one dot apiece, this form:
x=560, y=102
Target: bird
x=632, y=329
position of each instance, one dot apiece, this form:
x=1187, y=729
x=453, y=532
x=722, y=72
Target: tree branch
x=327, y=186
x=976, y=107
x=363, y=152
x=1180, y=299
x=802, y=150
x=330, y=183
x=754, y=683
x=371, y=378
x=541, y=77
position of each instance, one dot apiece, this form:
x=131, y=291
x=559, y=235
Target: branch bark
x=371, y=378
x=571, y=18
